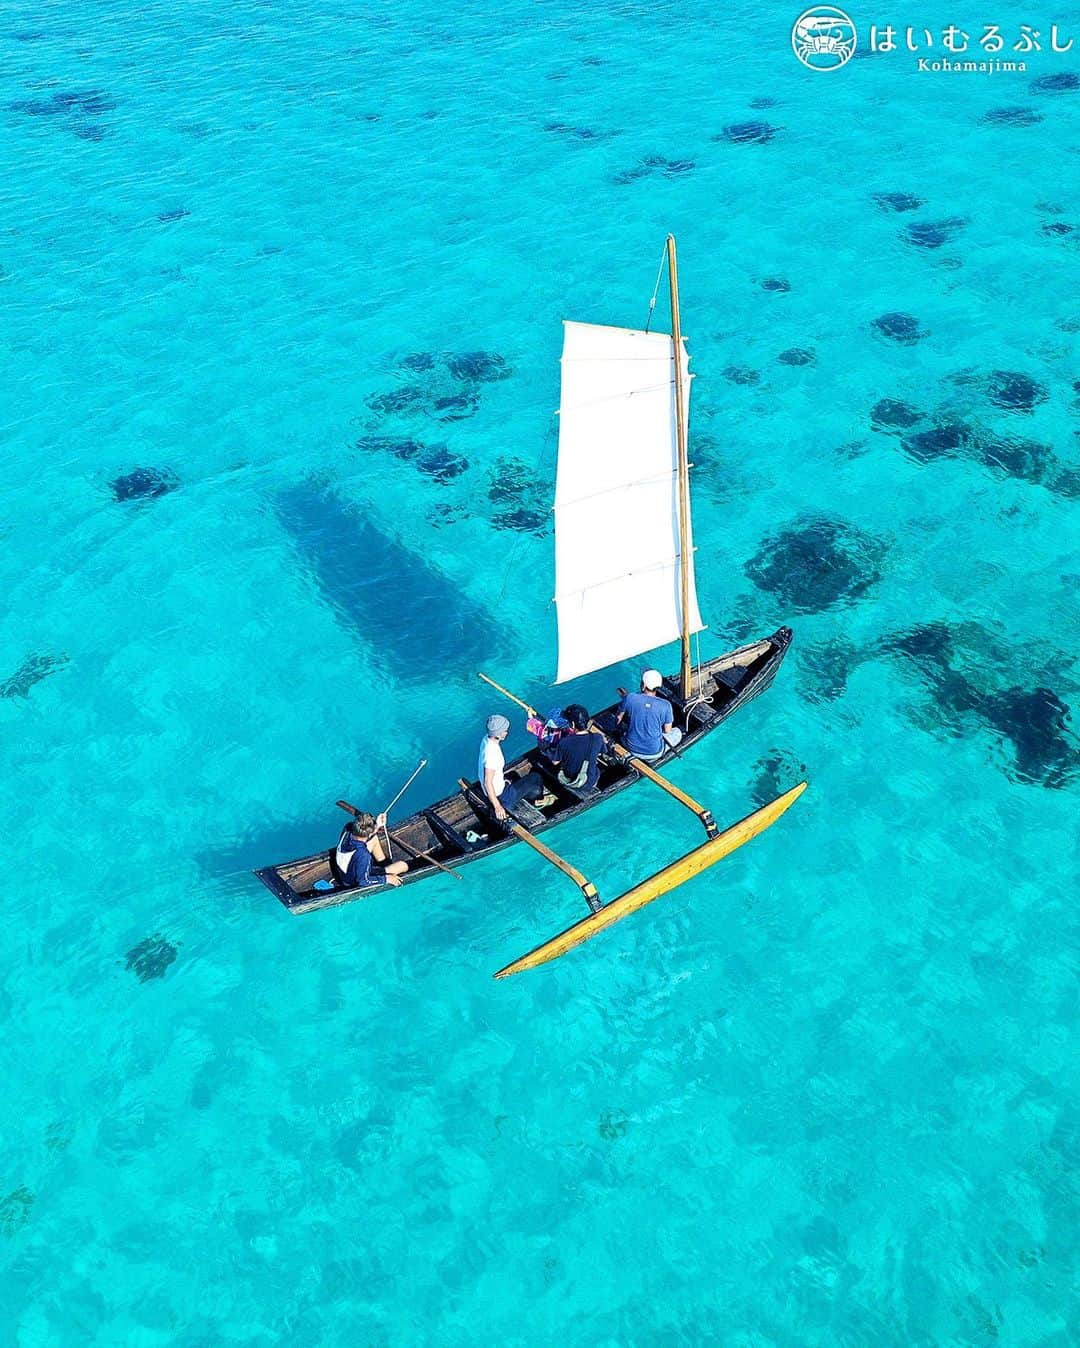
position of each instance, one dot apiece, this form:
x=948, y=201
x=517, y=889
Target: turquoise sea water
x=826, y=1094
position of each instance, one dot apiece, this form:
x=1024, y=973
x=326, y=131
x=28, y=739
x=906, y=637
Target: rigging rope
x=656, y=290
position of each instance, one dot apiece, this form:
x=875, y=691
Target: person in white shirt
x=491, y=771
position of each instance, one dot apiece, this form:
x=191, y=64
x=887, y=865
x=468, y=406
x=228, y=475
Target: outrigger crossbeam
x=588, y=889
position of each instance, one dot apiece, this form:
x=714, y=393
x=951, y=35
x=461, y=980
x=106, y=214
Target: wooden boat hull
x=455, y=831
x=685, y=868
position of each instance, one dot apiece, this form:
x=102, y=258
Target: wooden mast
x=684, y=471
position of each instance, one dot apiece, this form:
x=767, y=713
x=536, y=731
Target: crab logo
x=823, y=38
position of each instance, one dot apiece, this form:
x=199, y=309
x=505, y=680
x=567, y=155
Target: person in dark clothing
x=359, y=855
x=577, y=751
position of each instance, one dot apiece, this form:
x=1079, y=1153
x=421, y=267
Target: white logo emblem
x=823, y=38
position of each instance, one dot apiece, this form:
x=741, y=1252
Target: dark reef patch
x=150, y=958
x=523, y=521
x=419, y=361
x=585, y=134
x=828, y=666
x=655, y=163
x=15, y=1210
x=442, y=464
x=933, y=233
x=1065, y=482
x=945, y=439
x=816, y=563
x=748, y=133
x=896, y=201
x=400, y=446
x=1060, y=82
x=455, y=406
x=1012, y=117
x=759, y=104
x=479, y=367
x=925, y=643
x=31, y=671
x=797, y=355
x=446, y=512
x=1016, y=457
x=900, y=328
x=612, y=1125
x=511, y=480
x=741, y=374
x=1034, y=722
x=1013, y=391
x=522, y=500
x=779, y=285
x=929, y=649
x=1010, y=456
x=144, y=484
x=88, y=103
x=1058, y=228
x=402, y=399
x=777, y=771
x=894, y=414
x=181, y=213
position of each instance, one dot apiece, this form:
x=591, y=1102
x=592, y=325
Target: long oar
x=412, y=778
x=413, y=851
x=386, y=832
x=531, y=711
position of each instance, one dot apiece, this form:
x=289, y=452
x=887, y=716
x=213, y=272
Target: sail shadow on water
x=420, y=624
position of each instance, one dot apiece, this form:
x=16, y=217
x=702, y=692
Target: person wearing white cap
x=490, y=769
x=649, y=717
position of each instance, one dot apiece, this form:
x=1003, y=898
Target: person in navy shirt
x=359, y=855
x=648, y=717
x=577, y=751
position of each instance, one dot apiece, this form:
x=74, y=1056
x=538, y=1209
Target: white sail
x=617, y=562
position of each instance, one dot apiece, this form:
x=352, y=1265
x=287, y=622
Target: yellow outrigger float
x=693, y=863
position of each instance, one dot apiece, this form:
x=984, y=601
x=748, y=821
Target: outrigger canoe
x=460, y=829
x=624, y=584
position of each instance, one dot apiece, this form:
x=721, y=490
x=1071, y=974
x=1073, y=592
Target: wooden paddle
x=412, y=851
x=387, y=808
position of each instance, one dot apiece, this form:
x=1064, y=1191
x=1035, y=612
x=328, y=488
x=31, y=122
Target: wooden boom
x=700, y=859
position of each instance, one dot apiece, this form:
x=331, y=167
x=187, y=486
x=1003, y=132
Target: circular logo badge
x=823, y=38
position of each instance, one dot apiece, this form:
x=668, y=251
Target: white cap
x=652, y=678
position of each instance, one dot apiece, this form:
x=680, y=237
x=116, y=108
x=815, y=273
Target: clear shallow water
x=827, y=1093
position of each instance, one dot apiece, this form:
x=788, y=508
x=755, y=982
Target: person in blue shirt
x=649, y=718
x=359, y=855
